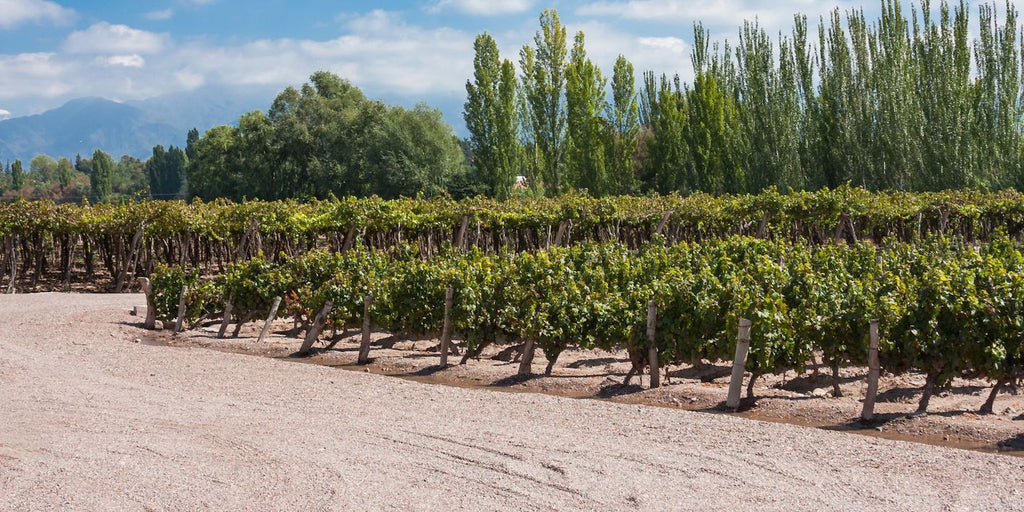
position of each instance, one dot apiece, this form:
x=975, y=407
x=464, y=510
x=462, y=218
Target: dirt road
x=90, y=420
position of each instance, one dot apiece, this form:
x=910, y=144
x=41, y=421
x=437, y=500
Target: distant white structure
x=520, y=183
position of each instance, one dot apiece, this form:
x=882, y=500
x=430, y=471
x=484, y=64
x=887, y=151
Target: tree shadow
x=899, y=395
x=591, y=363
x=704, y=373
x=805, y=383
x=513, y=380
x=1015, y=443
x=618, y=389
x=746, y=404
x=428, y=370
x=875, y=423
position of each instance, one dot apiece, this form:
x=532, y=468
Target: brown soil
x=798, y=399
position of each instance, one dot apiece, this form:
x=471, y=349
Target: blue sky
x=409, y=50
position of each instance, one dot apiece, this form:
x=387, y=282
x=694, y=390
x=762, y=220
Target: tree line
x=903, y=102
x=908, y=101
x=98, y=178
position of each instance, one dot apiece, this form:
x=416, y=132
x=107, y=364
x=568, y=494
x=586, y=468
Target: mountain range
x=84, y=125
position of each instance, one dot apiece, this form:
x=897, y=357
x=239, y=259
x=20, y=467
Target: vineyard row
x=106, y=245
x=945, y=308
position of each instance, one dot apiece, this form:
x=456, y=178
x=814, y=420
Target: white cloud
x=34, y=74
x=189, y=80
x=103, y=37
x=16, y=12
x=485, y=7
x=165, y=14
x=4, y=114
x=673, y=45
x=379, y=52
x=128, y=61
x=715, y=13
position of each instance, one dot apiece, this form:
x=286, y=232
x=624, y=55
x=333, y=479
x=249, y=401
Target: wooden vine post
x=739, y=364
x=562, y=227
x=868, y=413
x=364, y=344
x=14, y=265
x=350, y=239
x=526, y=363
x=664, y=222
x=446, y=328
x=147, y=288
x=652, y=348
x=129, y=263
x=270, y=318
x=460, y=238
x=314, y=330
x=180, y=322
x=228, y=306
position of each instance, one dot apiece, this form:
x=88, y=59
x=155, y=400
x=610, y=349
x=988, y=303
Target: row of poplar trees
x=906, y=102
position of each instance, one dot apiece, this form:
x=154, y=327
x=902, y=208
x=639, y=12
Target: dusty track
x=90, y=420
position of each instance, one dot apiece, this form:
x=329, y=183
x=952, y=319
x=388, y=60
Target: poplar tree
x=490, y=115
x=586, y=102
x=543, y=82
x=624, y=115
x=102, y=177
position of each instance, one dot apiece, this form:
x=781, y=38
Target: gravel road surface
x=92, y=420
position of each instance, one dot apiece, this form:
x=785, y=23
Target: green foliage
x=101, y=177
x=907, y=103
x=17, y=175
x=587, y=130
x=624, y=116
x=166, y=172
x=945, y=308
x=325, y=139
x=202, y=297
x=543, y=69
x=491, y=118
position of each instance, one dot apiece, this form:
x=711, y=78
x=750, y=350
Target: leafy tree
x=43, y=169
x=624, y=115
x=413, y=152
x=214, y=172
x=65, y=172
x=102, y=177
x=586, y=128
x=166, y=172
x=490, y=115
x=710, y=132
x=668, y=155
x=190, y=144
x=326, y=139
x=543, y=85
x=17, y=175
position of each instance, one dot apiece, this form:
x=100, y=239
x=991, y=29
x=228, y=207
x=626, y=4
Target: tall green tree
x=710, y=132
x=543, y=83
x=102, y=177
x=214, y=172
x=166, y=172
x=325, y=139
x=624, y=114
x=587, y=130
x=17, y=175
x=668, y=153
x=491, y=117
x=65, y=172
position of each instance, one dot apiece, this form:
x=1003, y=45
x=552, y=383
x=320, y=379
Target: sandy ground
x=91, y=420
